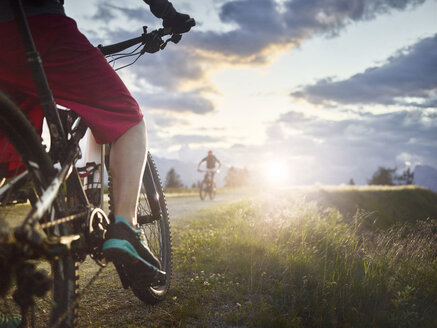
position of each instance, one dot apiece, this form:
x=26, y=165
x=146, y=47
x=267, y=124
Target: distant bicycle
x=207, y=186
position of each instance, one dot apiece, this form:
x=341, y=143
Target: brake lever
x=175, y=38
x=152, y=42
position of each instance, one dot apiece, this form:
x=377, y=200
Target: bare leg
x=127, y=162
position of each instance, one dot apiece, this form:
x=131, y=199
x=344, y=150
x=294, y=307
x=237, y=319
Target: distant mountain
x=187, y=171
x=426, y=176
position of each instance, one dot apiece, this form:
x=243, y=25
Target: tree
x=383, y=176
x=173, y=180
x=351, y=182
x=406, y=178
x=237, y=177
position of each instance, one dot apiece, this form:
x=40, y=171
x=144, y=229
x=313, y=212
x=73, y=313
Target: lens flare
x=277, y=172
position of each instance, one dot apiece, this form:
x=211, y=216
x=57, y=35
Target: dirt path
x=186, y=206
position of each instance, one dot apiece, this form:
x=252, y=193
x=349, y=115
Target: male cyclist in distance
x=211, y=162
x=81, y=79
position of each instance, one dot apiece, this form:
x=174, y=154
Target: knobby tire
x=203, y=190
x=158, y=235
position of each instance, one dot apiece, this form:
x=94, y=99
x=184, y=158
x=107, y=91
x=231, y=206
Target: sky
x=331, y=89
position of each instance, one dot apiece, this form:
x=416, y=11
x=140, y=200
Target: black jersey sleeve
x=161, y=8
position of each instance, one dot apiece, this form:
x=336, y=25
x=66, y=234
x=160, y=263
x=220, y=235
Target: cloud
x=104, y=13
x=181, y=102
x=410, y=73
x=171, y=68
x=161, y=121
x=264, y=24
x=108, y=12
x=194, y=139
x=260, y=26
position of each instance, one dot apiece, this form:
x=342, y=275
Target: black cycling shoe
x=124, y=248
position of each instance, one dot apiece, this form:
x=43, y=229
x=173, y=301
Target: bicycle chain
x=60, y=221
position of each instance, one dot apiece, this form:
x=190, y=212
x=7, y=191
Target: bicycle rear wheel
x=158, y=236
x=17, y=136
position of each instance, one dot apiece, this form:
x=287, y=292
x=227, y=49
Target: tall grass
x=286, y=263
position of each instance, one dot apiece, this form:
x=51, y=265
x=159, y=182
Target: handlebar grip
x=117, y=47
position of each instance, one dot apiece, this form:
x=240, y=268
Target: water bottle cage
x=92, y=186
x=88, y=171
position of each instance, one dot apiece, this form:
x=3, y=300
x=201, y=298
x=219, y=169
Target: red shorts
x=78, y=74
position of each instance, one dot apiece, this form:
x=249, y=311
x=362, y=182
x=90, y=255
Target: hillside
x=387, y=204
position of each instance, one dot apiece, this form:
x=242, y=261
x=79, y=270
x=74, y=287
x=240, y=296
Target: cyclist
x=81, y=79
x=212, y=164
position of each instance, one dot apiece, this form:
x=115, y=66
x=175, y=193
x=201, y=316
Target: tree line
x=235, y=177
x=385, y=176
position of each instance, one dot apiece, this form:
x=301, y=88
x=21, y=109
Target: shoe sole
x=121, y=252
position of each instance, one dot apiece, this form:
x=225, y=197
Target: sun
x=276, y=172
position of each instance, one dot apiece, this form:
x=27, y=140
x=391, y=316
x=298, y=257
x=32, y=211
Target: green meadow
x=322, y=257
x=303, y=257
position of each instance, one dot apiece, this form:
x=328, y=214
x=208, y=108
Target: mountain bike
x=207, y=186
x=61, y=206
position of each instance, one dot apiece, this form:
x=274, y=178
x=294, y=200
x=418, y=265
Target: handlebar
x=209, y=170
x=152, y=41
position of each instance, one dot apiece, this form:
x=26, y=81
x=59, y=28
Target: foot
x=124, y=247
x=9, y=321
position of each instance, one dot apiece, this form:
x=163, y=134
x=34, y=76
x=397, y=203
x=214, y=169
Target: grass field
x=311, y=257
x=291, y=262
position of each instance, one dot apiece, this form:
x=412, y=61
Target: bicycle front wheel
x=212, y=192
x=203, y=190
x=23, y=155
x=158, y=235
